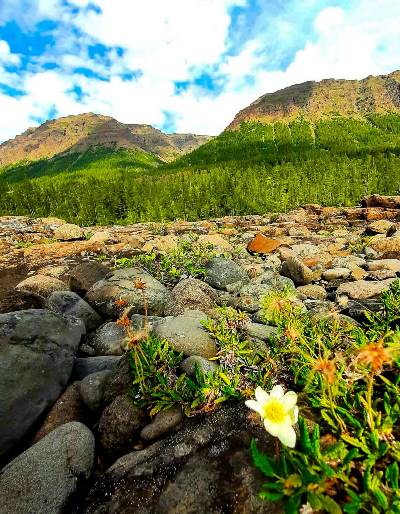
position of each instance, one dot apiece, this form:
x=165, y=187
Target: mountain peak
x=315, y=100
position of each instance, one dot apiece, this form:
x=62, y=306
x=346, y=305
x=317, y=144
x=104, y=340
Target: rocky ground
x=70, y=438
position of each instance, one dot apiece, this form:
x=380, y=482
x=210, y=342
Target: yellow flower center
x=274, y=411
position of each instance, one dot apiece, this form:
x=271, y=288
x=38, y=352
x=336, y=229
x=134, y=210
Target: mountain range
x=329, y=142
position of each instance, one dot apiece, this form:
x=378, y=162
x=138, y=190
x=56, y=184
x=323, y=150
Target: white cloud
x=173, y=41
x=6, y=57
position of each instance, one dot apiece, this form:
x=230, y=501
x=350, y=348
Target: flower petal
x=252, y=404
x=261, y=395
x=277, y=392
x=294, y=415
x=272, y=428
x=289, y=400
x=287, y=436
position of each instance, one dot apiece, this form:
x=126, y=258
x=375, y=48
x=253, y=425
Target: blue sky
x=180, y=65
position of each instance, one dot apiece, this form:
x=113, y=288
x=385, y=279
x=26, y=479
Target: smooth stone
x=40, y=286
x=191, y=294
x=260, y=331
x=46, y=478
x=92, y=389
x=312, y=291
x=85, y=275
x=251, y=295
x=69, y=303
x=85, y=366
x=108, y=339
x=204, y=365
x=163, y=423
x=363, y=289
x=297, y=271
x=336, y=274
x=68, y=232
x=187, y=335
x=221, y=272
x=384, y=264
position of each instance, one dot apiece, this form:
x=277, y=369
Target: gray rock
x=251, y=295
x=121, y=284
x=119, y=381
x=85, y=275
x=187, y=335
x=71, y=304
x=191, y=294
x=274, y=280
x=85, y=366
x=204, y=365
x=108, y=339
x=92, y=389
x=190, y=470
x=223, y=272
x=45, y=478
x=37, y=349
x=120, y=426
x=260, y=331
x=350, y=262
x=297, y=271
x=39, y=287
x=163, y=423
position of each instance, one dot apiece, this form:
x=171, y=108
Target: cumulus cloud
x=146, y=47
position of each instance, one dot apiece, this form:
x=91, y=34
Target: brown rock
x=83, y=276
x=216, y=240
x=68, y=232
x=41, y=286
x=387, y=202
x=263, y=245
x=69, y=407
x=387, y=247
x=363, y=289
x=380, y=226
x=358, y=273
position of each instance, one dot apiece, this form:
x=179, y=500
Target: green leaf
x=329, y=505
x=381, y=499
x=354, y=505
x=392, y=475
x=261, y=461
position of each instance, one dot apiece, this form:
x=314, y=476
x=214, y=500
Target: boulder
x=92, y=389
x=380, y=226
x=251, y=295
x=217, y=241
x=40, y=287
x=191, y=294
x=364, y=289
x=68, y=232
x=263, y=245
x=221, y=273
x=312, y=291
x=385, y=264
x=336, y=274
x=387, y=247
x=387, y=202
x=85, y=275
x=85, y=366
x=68, y=407
x=297, y=271
x=46, y=478
x=37, y=349
x=68, y=303
x=163, y=423
x=204, y=365
x=108, y=339
x=187, y=335
x=206, y=467
x=103, y=295
x=349, y=261
x=120, y=426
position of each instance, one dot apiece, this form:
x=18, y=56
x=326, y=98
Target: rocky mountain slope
x=315, y=100
x=76, y=134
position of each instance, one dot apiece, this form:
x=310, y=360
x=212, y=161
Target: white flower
x=278, y=411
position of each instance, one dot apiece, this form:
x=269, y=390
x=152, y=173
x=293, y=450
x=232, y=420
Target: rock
x=297, y=271
x=40, y=287
x=121, y=284
x=221, y=273
x=306, y=250
x=263, y=245
x=251, y=295
x=358, y=273
x=204, y=365
x=336, y=274
x=60, y=272
x=358, y=309
x=260, y=331
x=350, y=262
x=191, y=294
x=385, y=264
x=382, y=274
x=119, y=381
x=85, y=275
x=163, y=423
x=217, y=241
x=69, y=407
x=88, y=365
x=274, y=280
x=101, y=237
x=363, y=289
x=299, y=231
x=37, y=349
x=387, y=247
x=46, y=477
x=92, y=389
x=387, y=202
x=120, y=426
x=312, y=291
x=68, y=303
x=187, y=335
x=379, y=227
x=68, y=232
x=204, y=468
x=166, y=244
x=108, y=339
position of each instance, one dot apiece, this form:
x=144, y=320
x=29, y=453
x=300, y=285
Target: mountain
x=77, y=134
x=318, y=100
x=331, y=143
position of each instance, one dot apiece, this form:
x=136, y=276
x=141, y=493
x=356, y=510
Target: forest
x=256, y=169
